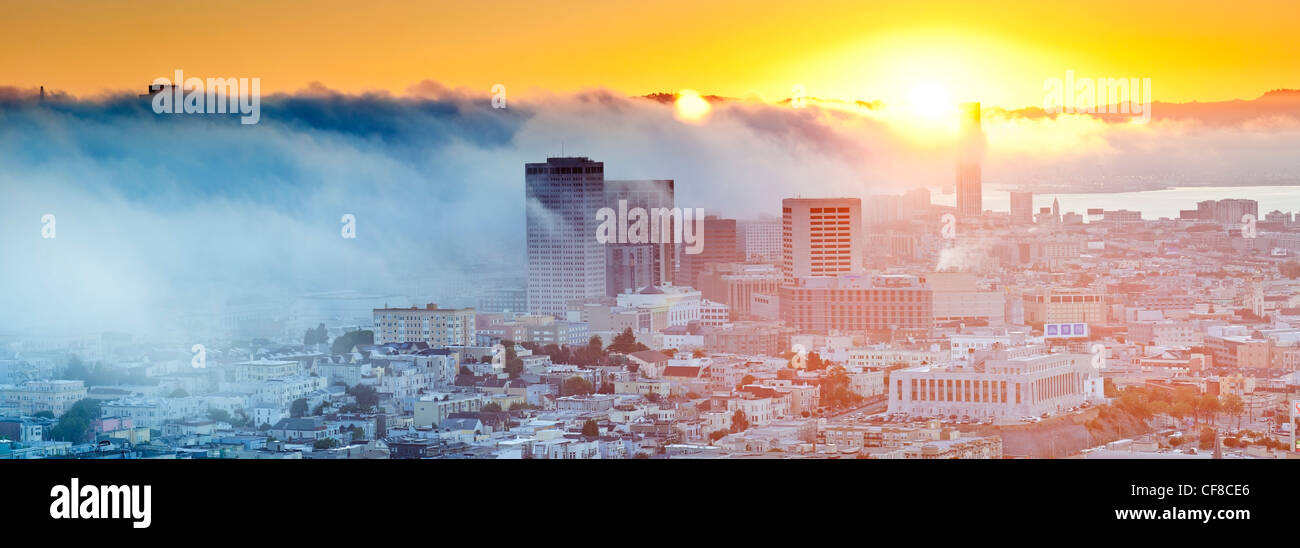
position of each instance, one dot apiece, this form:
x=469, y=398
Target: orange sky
x=997, y=52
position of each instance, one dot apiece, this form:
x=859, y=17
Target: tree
x=491, y=407
x=1207, y=437
x=576, y=386
x=699, y=353
x=739, y=422
x=219, y=415
x=514, y=365
x=366, y=395
x=298, y=408
x=625, y=343
x=345, y=342
x=717, y=435
x=325, y=443
x=44, y=415
x=319, y=335
x=815, y=362
x=835, y=388
x=590, y=428
x=74, y=425
x=179, y=393
x=1234, y=406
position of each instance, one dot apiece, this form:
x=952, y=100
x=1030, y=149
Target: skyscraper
x=820, y=237
x=566, y=264
x=761, y=238
x=630, y=267
x=970, y=199
x=1022, y=208
x=720, y=246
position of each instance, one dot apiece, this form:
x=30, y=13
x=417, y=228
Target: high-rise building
x=1022, y=208
x=970, y=199
x=566, y=264
x=720, y=246
x=630, y=267
x=820, y=237
x=761, y=238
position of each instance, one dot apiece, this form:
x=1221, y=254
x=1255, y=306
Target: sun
x=691, y=107
x=930, y=101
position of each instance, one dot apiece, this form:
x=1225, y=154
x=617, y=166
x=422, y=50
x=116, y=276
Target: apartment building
x=437, y=327
x=32, y=397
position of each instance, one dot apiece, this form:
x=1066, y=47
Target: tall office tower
x=970, y=199
x=916, y=203
x=631, y=267
x=566, y=265
x=761, y=238
x=820, y=237
x=720, y=246
x=1022, y=208
x=884, y=209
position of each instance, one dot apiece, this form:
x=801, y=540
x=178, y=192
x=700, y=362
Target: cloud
x=166, y=215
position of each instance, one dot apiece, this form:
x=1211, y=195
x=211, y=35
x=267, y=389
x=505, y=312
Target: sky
x=383, y=111
x=852, y=50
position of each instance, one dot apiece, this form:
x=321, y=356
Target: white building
x=669, y=305
x=35, y=396
x=820, y=237
x=438, y=327
x=1001, y=383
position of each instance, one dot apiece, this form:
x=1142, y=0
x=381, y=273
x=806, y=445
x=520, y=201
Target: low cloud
x=158, y=215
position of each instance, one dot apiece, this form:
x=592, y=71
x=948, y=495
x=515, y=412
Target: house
x=650, y=363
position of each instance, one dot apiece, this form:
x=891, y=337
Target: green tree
x=491, y=407
x=75, y=425
x=318, y=335
x=815, y=362
x=219, y=415
x=366, y=395
x=325, y=443
x=345, y=342
x=44, y=415
x=625, y=343
x=835, y=388
x=298, y=408
x=590, y=428
x=739, y=422
x=514, y=365
x=576, y=386
x=179, y=393
x=1234, y=406
x=699, y=353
